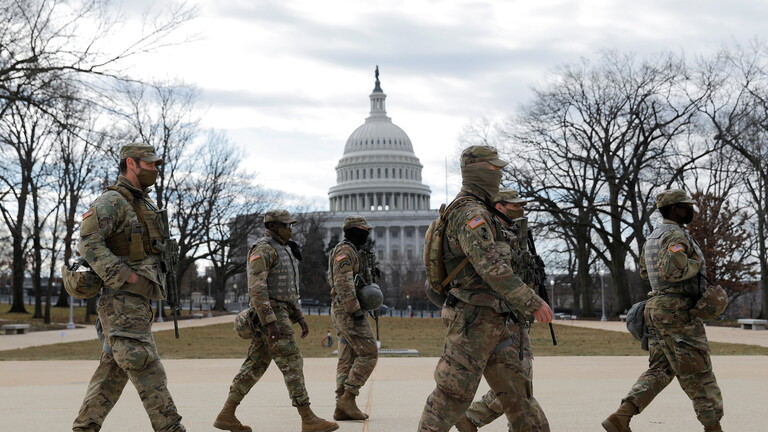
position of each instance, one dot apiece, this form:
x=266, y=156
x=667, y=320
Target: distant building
x=379, y=177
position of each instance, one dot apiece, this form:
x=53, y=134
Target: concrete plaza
x=575, y=392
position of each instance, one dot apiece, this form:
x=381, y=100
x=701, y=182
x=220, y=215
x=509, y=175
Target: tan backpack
x=437, y=277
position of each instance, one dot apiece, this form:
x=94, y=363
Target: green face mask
x=514, y=214
x=146, y=177
x=484, y=179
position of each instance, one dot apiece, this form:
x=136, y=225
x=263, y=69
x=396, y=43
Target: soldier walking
x=119, y=236
x=358, y=352
x=488, y=409
x=672, y=262
x=481, y=297
x=273, y=285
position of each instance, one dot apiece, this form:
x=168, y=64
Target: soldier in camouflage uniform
x=118, y=238
x=358, y=352
x=488, y=409
x=673, y=263
x=481, y=297
x=273, y=285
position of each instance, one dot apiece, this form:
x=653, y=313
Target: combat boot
x=619, y=421
x=226, y=419
x=465, y=424
x=312, y=423
x=346, y=408
x=715, y=428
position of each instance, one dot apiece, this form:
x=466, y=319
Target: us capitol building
x=379, y=177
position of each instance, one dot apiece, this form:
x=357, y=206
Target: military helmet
x=356, y=221
x=510, y=196
x=673, y=196
x=370, y=297
x=279, y=215
x=79, y=283
x=244, y=323
x=475, y=154
x=712, y=303
x=142, y=151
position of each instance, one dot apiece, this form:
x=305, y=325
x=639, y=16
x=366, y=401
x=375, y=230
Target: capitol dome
x=379, y=170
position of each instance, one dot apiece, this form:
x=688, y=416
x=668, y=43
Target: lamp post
x=602, y=295
x=552, y=284
x=209, y=298
x=160, y=311
x=236, y=295
x=71, y=323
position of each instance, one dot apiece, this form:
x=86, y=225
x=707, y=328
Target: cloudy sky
x=288, y=80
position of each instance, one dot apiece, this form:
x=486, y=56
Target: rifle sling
x=455, y=271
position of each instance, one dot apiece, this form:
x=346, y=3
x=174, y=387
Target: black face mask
x=688, y=217
x=356, y=235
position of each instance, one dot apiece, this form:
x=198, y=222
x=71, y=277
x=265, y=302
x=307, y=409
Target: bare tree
x=589, y=141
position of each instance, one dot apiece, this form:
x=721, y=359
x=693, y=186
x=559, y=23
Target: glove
x=358, y=317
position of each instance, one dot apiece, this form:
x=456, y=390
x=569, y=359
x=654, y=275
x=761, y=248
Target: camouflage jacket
x=111, y=215
x=273, y=278
x=671, y=260
x=474, y=232
x=343, y=267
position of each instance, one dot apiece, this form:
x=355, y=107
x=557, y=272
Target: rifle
x=169, y=259
x=539, y=274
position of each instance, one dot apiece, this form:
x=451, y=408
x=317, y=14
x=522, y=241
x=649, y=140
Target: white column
x=387, y=241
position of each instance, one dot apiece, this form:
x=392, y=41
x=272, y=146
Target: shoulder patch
x=340, y=257
x=88, y=213
x=476, y=222
x=254, y=256
x=676, y=248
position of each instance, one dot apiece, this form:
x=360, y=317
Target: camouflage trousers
x=474, y=347
x=358, y=352
x=678, y=348
x=488, y=408
x=283, y=351
x=130, y=353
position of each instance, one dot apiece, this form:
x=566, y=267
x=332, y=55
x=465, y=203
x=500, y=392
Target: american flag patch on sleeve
x=254, y=257
x=476, y=222
x=88, y=213
x=340, y=256
x=676, y=248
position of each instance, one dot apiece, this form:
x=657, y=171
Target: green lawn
x=424, y=335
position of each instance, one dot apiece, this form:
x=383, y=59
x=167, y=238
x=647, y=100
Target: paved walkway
x=575, y=392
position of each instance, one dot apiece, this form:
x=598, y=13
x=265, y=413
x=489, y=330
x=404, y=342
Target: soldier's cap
x=476, y=154
x=356, y=221
x=510, y=196
x=142, y=151
x=673, y=196
x=279, y=215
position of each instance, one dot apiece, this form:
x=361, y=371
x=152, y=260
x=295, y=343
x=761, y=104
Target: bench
x=15, y=328
x=399, y=352
x=197, y=316
x=622, y=317
x=753, y=324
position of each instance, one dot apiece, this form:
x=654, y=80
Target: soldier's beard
x=485, y=179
